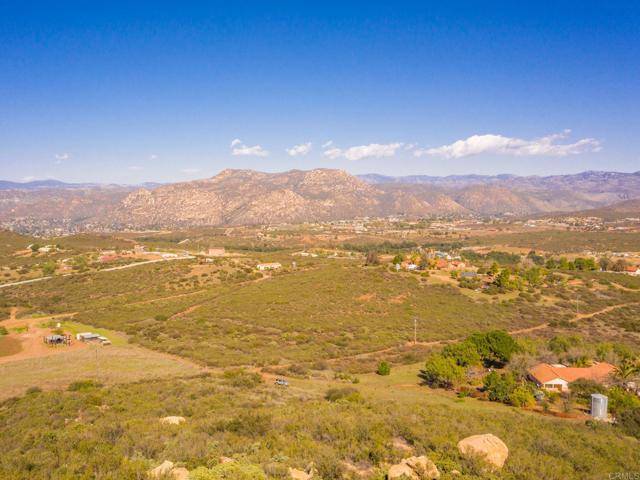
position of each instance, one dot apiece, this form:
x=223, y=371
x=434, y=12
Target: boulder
x=172, y=420
x=296, y=474
x=423, y=466
x=180, y=473
x=414, y=468
x=163, y=469
x=487, y=446
x=399, y=470
x=224, y=459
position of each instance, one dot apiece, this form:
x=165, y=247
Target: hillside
x=245, y=197
x=617, y=211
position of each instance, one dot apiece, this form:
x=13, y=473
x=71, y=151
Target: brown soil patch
x=9, y=346
x=366, y=297
x=398, y=298
x=30, y=344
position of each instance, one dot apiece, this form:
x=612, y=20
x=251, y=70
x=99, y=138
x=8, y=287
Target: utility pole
x=415, y=330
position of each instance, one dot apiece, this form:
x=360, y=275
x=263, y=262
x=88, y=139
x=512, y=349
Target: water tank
x=599, y=406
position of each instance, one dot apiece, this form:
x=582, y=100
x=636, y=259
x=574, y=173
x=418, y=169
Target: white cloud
x=60, y=157
x=301, y=149
x=190, y=170
x=153, y=156
x=333, y=153
x=500, y=145
x=239, y=148
x=28, y=179
x=327, y=144
x=135, y=168
x=373, y=150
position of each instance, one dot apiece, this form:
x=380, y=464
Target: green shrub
x=82, y=385
x=384, y=368
x=629, y=421
x=228, y=471
x=346, y=394
x=522, y=396
x=240, y=378
x=499, y=386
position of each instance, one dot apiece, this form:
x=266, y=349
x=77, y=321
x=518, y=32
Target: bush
x=583, y=388
x=250, y=424
x=240, y=378
x=522, y=397
x=82, y=385
x=443, y=372
x=228, y=471
x=499, y=386
x=629, y=421
x=346, y=394
x=383, y=369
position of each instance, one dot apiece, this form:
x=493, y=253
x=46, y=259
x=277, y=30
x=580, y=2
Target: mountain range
x=239, y=197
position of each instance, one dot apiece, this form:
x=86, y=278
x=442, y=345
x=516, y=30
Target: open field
x=108, y=365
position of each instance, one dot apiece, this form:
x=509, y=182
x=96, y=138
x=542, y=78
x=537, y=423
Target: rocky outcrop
x=167, y=470
x=172, y=420
x=296, y=474
x=414, y=468
x=487, y=446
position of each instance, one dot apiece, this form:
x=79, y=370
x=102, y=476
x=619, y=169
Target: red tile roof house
x=558, y=377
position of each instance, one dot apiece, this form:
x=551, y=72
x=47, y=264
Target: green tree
x=495, y=347
x=503, y=280
x=398, y=259
x=494, y=269
x=443, y=372
x=464, y=353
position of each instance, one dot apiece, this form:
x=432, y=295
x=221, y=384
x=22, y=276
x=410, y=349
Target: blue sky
x=172, y=91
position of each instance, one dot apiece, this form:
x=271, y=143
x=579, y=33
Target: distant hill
x=36, y=184
x=237, y=197
x=617, y=211
x=44, y=184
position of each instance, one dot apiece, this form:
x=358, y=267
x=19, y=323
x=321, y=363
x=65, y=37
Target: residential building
x=558, y=377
